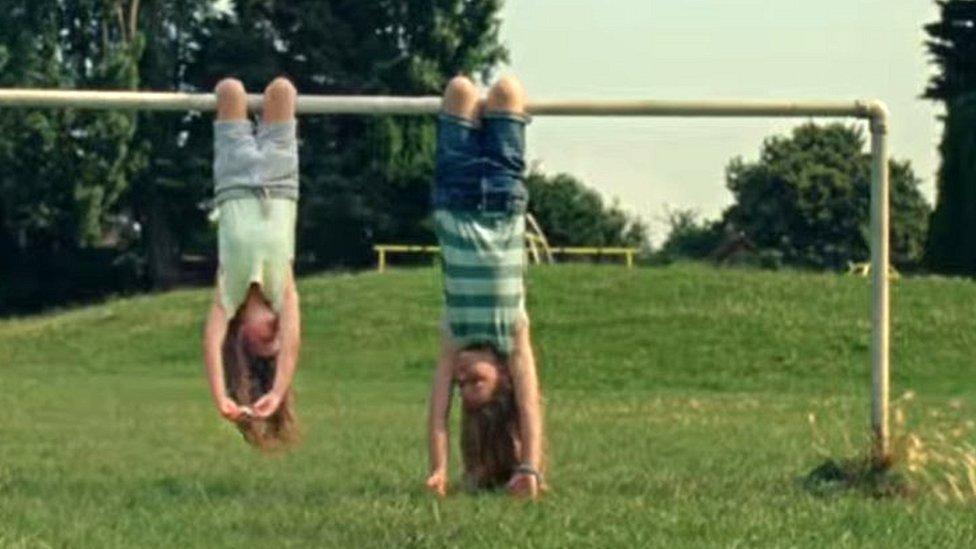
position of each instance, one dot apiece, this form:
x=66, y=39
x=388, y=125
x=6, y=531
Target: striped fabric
x=484, y=259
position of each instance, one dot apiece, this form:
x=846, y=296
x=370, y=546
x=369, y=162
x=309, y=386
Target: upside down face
x=259, y=328
x=479, y=374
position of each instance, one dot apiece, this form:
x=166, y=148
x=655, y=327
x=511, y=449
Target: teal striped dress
x=484, y=262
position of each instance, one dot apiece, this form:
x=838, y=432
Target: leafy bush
x=572, y=214
x=808, y=197
x=689, y=236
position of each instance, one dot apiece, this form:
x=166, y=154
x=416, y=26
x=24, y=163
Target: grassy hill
x=678, y=404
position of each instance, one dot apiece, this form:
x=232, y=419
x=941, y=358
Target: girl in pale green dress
x=252, y=335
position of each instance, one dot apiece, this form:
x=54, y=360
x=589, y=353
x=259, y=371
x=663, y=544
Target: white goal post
x=873, y=111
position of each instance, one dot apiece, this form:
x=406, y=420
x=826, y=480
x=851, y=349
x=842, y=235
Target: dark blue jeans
x=480, y=168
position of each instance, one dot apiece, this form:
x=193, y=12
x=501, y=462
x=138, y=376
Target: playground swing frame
x=873, y=111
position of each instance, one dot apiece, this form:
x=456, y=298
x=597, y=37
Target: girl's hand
x=524, y=485
x=266, y=405
x=229, y=409
x=437, y=483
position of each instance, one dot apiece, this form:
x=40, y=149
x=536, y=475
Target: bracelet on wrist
x=526, y=469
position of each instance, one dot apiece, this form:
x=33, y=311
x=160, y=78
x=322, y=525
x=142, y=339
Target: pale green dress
x=256, y=192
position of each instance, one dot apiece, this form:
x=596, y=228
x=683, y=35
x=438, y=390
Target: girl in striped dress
x=479, y=213
x=251, y=339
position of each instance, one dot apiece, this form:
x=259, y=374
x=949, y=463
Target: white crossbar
x=379, y=105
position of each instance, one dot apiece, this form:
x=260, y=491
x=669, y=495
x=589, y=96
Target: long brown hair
x=491, y=435
x=248, y=378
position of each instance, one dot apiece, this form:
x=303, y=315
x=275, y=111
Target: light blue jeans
x=246, y=164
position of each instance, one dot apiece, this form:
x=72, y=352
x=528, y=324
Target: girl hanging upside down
x=479, y=213
x=251, y=338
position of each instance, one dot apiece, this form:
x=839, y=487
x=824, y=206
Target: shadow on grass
x=173, y=487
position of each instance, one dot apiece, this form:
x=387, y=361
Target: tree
x=689, y=236
x=572, y=214
x=952, y=46
x=808, y=197
x=64, y=171
x=166, y=196
x=951, y=247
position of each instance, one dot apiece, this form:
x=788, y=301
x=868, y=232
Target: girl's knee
x=229, y=89
x=461, y=87
x=279, y=100
x=507, y=94
x=231, y=99
x=461, y=97
x=281, y=88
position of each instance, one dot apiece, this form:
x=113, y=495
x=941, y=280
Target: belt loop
x=266, y=201
x=484, y=195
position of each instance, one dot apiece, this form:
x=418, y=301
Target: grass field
x=677, y=400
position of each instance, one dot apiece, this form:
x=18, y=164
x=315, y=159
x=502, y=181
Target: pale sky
x=709, y=49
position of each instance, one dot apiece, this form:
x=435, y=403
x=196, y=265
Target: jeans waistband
x=509, y=201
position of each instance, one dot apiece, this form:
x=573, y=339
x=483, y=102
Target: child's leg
x=235, y=151
x=458, y=165
x=503, y=142
x=504, y=132
x=277, y=137
x=279, y=101
x=231, y=100
x=461, y=99
x=507, y=95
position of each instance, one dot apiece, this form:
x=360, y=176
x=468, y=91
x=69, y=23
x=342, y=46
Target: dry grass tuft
x=933, y=456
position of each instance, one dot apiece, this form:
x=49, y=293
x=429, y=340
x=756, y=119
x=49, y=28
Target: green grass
x=677, y=404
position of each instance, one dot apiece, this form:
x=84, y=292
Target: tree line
x=805, y=201
x=96, y=202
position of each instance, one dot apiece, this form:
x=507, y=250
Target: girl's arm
x=525, y=381
x=213, y=340
x=287, y=359
x=437, y=421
